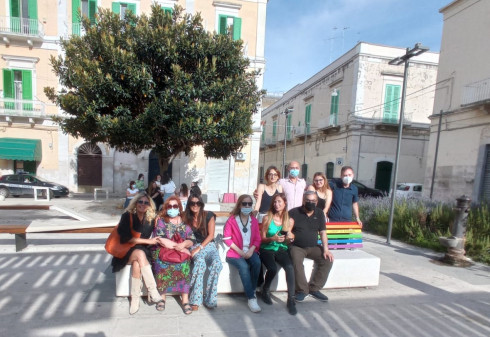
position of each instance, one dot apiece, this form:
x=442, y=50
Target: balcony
x=475, y=93
x=10, y=107
x=22, y=29
x=271, y=142
x=329, y=124
x=386, y=123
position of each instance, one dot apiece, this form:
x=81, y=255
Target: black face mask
x=310, y=206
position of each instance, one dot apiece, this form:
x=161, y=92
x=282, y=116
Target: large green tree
x=157, y=81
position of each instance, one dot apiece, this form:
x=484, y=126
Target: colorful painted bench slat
x=343, y=235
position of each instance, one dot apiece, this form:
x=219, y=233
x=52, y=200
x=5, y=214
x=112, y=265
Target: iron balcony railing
x=22, y=108
x=21, y=27
x=476, y=92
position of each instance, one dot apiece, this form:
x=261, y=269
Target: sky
x=304, y=36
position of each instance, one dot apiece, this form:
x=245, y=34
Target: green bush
x=421, y=222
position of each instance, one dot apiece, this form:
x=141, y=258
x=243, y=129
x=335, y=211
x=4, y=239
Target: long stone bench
x=351, y=268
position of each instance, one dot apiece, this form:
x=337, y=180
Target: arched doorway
x=383, y=175
x=154, y=167
x=89, y=168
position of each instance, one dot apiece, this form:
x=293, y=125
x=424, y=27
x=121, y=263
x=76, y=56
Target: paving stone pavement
x=62, y=285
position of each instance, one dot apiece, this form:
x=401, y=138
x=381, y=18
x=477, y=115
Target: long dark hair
x=201, y=216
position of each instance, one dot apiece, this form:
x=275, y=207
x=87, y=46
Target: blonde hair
x=150, y=212
x=326, y=186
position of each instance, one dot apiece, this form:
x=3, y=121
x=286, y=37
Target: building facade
x=347, y=114
x=30, y=31
x=460, y=123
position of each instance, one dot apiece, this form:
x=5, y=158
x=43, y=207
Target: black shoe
x=291, y=307
x=300, y=297
x=319, y=296
x=266, y=296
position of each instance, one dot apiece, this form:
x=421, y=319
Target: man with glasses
x=293, y=186
x=345, y=198
x=309, y=221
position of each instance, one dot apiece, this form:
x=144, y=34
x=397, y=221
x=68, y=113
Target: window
x=329, y=170
x=121, y=8
x=23, y=17
x=168, y=10
x=230, y=25
x=81, y=8
x=307, y=119
x=334, y=108
x=274, y=129
x=263, y=134
x=17, y=85
x=289, y=127
x=392, y=103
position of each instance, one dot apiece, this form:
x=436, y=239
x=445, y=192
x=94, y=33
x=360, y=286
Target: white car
x=409, y=190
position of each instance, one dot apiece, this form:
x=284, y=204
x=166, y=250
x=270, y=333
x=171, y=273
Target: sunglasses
x=194, y=203
x=142, y=202
x=272, y=174
x=173, y=206
x=245, y=204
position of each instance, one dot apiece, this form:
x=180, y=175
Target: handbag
x=171, y=255
x=113, y=244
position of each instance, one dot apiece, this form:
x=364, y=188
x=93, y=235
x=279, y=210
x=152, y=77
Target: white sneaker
x=253, y=305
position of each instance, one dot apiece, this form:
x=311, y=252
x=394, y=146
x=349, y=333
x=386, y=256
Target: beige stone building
x=463, y=96
x=29, y=34
x=347, y=114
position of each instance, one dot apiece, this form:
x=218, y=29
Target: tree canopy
x=157, y=81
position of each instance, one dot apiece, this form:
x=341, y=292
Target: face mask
x=142, y=178
x=172, y=212
x=246, y=210
x=133, y=186
x=347, y=180
x=294, y=173
x=310, y=206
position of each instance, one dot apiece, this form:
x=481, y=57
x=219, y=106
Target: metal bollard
x=455, y=243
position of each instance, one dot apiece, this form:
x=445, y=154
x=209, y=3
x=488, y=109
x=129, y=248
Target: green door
x=383, y=176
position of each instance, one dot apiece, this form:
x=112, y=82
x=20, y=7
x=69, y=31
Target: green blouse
x=274, y=245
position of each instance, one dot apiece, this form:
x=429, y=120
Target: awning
x=20, y=149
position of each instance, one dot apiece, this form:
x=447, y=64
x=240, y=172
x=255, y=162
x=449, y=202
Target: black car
x=23, y=184
x=364, y=191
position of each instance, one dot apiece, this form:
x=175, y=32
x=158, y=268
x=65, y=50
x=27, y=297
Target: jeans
x=249, y=270
x=269, y=259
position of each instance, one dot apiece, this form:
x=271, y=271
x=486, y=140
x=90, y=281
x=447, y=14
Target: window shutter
x=132, y=8
x=92, y=9
x=75, y=17
x=116, y=7
x=168, y=10
x=307, y=119
x=15, y=16
x=263, y=134
x=274, y=129
x=27, y=88
x=392, y=103
x=288, y=125
x=237, y=28
x=222, y=29
x=32, y=13
x=8, y=87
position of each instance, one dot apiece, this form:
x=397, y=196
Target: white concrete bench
x=39, y=188
x=351, y=268
x=101, y=190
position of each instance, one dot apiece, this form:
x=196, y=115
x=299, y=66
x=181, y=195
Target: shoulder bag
x=171, y=255
x=113, y=244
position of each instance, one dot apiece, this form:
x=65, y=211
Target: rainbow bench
x=343, y=235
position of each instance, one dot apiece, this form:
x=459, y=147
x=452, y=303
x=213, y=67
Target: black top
x=321, y=202
x=200, y=236
x=265, y=203
x=306, y=228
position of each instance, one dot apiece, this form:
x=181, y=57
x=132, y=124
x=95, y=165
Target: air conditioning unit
x=240, y=156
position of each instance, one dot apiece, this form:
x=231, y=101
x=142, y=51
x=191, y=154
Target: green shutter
x=8, y=87
x=92, y=9
x=75, y=17
x=222, y=29
x=116, y=7
x=288, y=125
x=132, y=8
x=27, y=88
x=32, y=14
x=274, y=129
x=392, y=103
x=307, y=118
x=237, y=28
x=168, y=10
x=263, y=134
x=15, y=16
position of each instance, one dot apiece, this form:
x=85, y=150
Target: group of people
x=282, y=228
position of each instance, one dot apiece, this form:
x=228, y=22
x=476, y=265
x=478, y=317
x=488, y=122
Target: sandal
x=187, y=308
x=160, y=305
x=194, y=307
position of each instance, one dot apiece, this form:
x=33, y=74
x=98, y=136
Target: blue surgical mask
x=172, y=212
x=246, y=210
x=294, y=173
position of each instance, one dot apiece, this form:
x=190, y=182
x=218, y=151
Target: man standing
x=309, y=221
x=345, y=198
x=293, y=186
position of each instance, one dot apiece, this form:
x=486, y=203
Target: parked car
x=409, y=190
x=23, y=184
x=364, y=191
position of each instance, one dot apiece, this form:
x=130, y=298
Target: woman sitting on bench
x=139, y=217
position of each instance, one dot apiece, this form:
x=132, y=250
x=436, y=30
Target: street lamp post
x=285, y=113
x=415, y=51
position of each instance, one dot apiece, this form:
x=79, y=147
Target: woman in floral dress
x=172, y=277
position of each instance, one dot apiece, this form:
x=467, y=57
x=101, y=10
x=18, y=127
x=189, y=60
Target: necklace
x=244, y=229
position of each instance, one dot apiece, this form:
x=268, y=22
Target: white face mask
x=347, y=180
